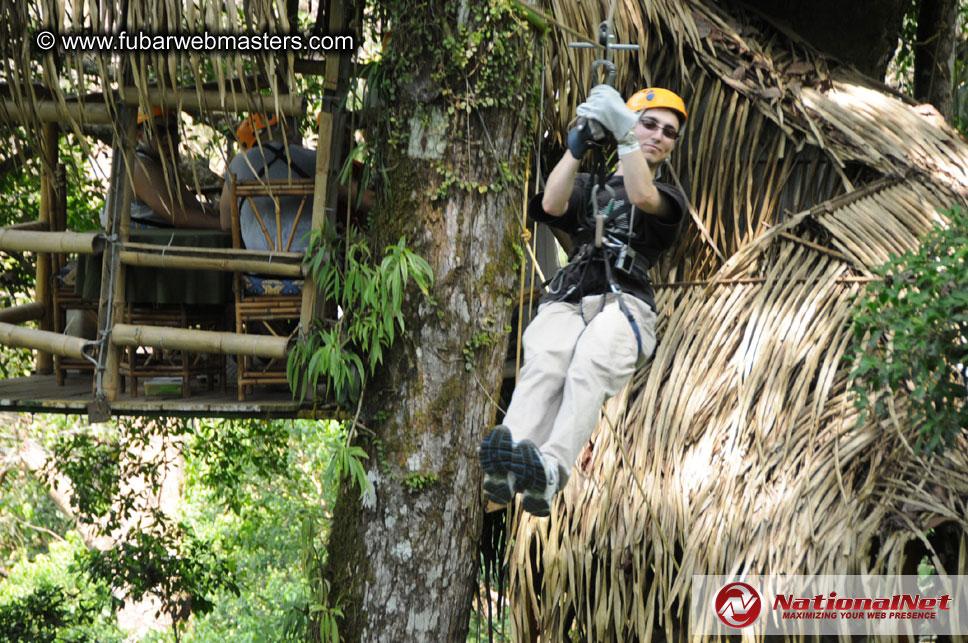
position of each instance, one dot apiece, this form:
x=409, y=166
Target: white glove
x=605, y=105
x=628, y=144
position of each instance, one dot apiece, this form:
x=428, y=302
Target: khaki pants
x=575, y=357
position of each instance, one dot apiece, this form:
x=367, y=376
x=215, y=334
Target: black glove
x=582, y=135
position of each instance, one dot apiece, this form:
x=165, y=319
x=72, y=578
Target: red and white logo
x=738, y=604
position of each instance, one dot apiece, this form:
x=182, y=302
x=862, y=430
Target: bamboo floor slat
x=41, y=394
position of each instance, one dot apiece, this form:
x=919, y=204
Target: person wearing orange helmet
x=161, y=198
x=269, y=150
x=596, y=323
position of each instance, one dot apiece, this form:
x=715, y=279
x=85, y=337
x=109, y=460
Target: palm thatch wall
x=737, y=450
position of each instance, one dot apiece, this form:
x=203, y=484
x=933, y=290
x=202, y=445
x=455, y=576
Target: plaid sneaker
x=537, y=476
x=497, y=460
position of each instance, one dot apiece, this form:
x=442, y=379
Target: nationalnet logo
x=738, y=604
x=899, y=606
x=840, y=605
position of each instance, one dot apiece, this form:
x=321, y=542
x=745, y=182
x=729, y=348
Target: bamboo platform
x=41, y=394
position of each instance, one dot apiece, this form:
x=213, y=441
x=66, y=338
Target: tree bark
x=404, y=561
x=934, y=54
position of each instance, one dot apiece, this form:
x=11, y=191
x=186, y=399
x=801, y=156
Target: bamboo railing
x=19, y=240
x=200, y=341
x=43, y=340
x=49, y=111
x=97, y=113
x=22, y=313
x=26, y=225
x=281, y=264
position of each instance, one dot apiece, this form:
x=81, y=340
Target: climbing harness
x=616, y=254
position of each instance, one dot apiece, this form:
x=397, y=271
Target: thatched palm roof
x=736, y=449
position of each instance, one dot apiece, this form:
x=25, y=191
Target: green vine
x=455, y=72
x=481, y=339
x=418, y=480
x=415, y=480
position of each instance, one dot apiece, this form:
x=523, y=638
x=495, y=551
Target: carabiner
x=599, y=215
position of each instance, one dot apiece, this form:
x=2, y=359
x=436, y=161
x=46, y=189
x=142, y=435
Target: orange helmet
x=653, y=97
x=156, y=112
x=252, y=124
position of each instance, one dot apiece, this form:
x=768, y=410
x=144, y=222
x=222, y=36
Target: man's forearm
x=559, y=185
x=639, y=183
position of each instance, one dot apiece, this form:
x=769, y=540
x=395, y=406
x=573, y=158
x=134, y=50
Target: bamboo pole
x=267, y=256
x=26, y=225
x=324, y=143
x=50, y=111
x=22, y=313
x=327, y=148
x=258, y=187
x=111, y=309
x=97, y=113
x=85, y=243
x=173, y=260
x=287, y=264
x=200, y=341
x=210, y=100
x=42, y=340
x=42, y=292
x=42, y=284
x=274, y=190
x=58, y=223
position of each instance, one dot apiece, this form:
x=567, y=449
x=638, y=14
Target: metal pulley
x=606, y=43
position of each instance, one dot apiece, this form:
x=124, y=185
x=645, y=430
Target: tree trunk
x=404, y=561
x=934, y=54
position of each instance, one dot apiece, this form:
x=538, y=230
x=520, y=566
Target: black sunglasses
x=668, y=131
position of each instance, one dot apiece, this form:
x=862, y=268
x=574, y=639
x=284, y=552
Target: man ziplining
x=596, y=324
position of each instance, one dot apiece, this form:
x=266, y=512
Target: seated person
x=161, y=198
x=265, y=155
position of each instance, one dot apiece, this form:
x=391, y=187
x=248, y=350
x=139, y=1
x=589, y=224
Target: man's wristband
x=628, y=144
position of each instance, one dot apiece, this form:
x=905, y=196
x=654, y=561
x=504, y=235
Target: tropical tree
x=458, y=90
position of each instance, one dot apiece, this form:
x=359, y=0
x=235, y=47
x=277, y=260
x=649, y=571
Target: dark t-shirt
x=647, y=234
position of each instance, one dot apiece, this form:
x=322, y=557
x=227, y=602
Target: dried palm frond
x=737, y=448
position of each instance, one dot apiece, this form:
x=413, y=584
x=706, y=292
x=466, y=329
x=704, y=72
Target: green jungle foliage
x=900, y=71
x=242, y=552
x=912, y=332
x=47, y=598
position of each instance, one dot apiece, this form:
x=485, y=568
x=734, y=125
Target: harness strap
x=598, y=180
x=277, y=155
x=621, y=302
